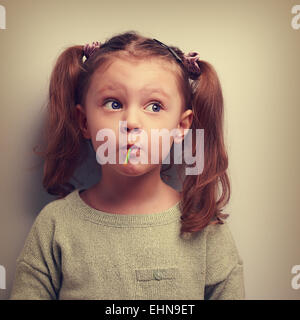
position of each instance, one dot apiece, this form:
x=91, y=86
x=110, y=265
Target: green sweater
x=76, y=252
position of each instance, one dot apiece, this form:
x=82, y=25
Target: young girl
x=131, y=235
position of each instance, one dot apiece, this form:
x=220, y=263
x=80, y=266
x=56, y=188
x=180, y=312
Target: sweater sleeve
x=224, y=274
x=37, y=275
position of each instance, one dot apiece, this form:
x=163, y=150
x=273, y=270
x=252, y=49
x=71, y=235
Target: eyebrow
x=146, y=89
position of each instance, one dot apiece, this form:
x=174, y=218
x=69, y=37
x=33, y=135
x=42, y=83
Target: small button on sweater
x=74, y=251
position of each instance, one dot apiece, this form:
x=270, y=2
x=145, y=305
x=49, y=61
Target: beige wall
x=255, y=51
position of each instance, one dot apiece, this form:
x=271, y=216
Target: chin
x=134, y=169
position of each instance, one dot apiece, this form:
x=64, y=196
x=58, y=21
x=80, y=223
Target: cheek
x=160, y=142
x=97, y=122
x=100, y=132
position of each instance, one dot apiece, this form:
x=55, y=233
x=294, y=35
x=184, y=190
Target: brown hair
x=66, y=147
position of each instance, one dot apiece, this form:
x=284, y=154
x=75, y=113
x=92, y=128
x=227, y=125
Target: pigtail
x=63, y=138
x=200, y=205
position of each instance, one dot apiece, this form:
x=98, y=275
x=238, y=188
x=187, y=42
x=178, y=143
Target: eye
x=155, y=106
x=114, y=104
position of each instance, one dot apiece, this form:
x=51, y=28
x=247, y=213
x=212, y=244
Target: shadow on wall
x=84, y=176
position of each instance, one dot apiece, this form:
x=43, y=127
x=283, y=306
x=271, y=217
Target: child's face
x=127, y=90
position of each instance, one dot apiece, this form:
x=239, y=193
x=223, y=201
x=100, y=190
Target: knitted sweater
x=74, y=251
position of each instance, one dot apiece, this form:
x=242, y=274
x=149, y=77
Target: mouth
x=132, y=151
x=132, y=146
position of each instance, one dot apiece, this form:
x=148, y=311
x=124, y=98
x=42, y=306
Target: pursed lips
x=132, y=146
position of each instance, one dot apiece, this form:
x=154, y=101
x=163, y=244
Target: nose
x=132, y=132
x=133, y=124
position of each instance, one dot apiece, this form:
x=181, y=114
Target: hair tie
x=170, y=49
x=189, y=61
x=89, y=49
x=191, y=64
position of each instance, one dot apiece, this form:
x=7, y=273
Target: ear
x=185, y=122
x=82, y=121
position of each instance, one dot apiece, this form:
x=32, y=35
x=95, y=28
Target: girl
x=131, y=236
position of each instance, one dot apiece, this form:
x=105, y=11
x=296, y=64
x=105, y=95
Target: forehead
x=139, y=74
